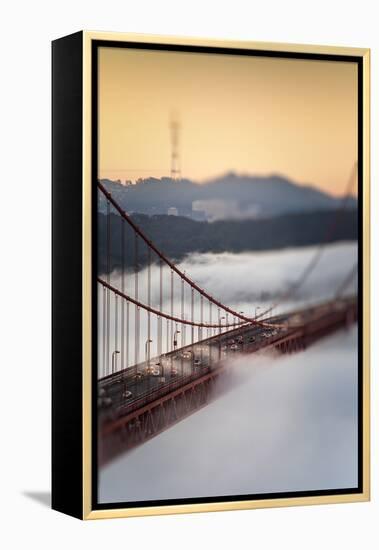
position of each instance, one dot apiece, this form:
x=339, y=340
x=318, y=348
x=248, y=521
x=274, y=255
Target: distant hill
x=231, y=196
x=177, y=236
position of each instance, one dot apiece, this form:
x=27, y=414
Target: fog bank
x=248, y=282
x=285, y=424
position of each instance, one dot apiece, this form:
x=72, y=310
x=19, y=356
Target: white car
x=127, y=394
x=152, y=370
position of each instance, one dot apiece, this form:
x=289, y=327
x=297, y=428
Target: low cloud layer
x=287, y=423
x=237, y=278
x=248, y=282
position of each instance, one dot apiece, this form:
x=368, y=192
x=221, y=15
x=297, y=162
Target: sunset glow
x=252, y=115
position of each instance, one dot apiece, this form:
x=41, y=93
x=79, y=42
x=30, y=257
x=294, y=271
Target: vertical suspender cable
x=123, y=290
x=127, y=334
x=116, y=331
x=104, y=292
x=192, y=314
x=183, y=327
x=159, y=319
x=108, y=279
x=172, y=309
x=210, y=318
x=148, y=302
x=136, y=308
x=201, y=315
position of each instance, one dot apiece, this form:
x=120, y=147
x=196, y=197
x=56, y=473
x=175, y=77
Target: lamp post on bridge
x=221, y=320
x=147, y=350
x=219, y=336
x=241, y=313
x=175, y=342
x=114, y=354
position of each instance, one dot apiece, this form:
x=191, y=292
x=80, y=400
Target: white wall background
x=27, y=28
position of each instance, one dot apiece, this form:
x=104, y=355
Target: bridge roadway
x=134, y=387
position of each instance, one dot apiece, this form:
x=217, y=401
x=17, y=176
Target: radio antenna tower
x=175, y=160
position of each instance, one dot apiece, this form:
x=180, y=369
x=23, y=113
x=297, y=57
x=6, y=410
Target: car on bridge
x=153, y=371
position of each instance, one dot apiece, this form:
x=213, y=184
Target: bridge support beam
x=137, y=427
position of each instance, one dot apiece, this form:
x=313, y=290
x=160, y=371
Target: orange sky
x=246, y=114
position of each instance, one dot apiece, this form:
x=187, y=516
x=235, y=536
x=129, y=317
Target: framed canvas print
x=210, y=275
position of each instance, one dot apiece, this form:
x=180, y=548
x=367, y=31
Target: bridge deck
x=129, y=393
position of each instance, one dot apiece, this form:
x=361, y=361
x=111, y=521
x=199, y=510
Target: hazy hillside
x=228, y=197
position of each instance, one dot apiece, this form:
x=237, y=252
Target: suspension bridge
x=164, y=341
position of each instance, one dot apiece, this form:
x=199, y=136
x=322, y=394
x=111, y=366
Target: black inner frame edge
x=94, y=169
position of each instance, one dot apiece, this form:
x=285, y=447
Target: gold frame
x=88, y=513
